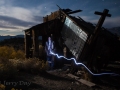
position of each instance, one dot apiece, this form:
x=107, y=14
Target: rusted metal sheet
x=74, y=37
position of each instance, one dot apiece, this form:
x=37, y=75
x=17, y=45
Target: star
x=45, y=7
x=115, y=3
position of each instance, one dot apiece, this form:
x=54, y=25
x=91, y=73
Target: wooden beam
x=90, y=84
x=73, y=76
x=93, y=38
x=76, y=11
x=100, y=13
x=35, y=43
x=101, y=21
x=27, y=51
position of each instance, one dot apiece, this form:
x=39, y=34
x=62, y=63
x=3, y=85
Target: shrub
x=7, y=69
x=2, y=87
x=5, y=52
x=29, y=65
x=11, y=53
x=11, y=61
x=34, y=65
x=20, y=54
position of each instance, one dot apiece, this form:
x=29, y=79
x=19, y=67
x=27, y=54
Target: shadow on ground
x=108, y=81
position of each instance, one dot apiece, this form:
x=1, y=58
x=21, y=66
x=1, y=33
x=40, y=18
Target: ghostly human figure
x=49, y=48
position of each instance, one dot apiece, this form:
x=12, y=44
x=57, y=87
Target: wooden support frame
x=35, y=43
x=94, y=37
x=27, y=45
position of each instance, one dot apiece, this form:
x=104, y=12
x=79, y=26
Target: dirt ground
x=51, y=80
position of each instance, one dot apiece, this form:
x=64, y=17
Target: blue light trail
x=83, y=65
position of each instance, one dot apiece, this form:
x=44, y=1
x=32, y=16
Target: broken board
x=73, y=76
x=90, y=84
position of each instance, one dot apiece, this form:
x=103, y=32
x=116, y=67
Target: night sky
x=18, y=15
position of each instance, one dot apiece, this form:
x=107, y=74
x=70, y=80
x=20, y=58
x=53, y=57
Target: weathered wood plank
x=73, y=76
x=90, y=84
x=35, y=43
x=27, y=44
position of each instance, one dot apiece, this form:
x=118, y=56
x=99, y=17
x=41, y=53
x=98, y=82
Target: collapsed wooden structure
x=85, y=41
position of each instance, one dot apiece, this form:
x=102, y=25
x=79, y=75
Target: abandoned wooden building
x=85, y=41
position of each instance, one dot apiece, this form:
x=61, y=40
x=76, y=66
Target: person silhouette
x=49, y=46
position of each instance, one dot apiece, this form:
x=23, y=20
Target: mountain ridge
x=115, y=30
x=9, y=36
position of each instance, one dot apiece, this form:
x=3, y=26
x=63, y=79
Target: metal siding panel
x=74, y=37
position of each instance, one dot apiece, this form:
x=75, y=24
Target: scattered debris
x=79, y=73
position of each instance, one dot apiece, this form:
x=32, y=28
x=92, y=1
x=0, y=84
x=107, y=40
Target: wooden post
x=35, y=43
x=100, y=22
x=93, y=38
x=26, y=45
x=99, y=25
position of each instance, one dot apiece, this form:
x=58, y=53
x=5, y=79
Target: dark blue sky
x=18, y=15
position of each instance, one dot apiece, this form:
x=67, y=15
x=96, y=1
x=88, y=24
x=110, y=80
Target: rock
x=68, y=70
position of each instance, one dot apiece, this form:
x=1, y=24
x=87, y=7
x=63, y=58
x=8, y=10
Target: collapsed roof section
x=62, y=14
